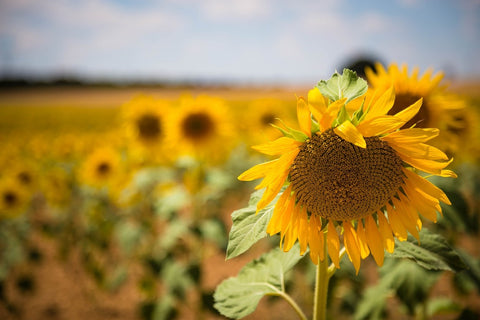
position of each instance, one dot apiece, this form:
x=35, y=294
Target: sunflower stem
x=321, y=286
x=291, y=302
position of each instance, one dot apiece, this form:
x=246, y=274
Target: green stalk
x=321, y=286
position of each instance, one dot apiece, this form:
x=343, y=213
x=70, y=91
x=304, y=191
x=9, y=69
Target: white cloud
x=221, y=10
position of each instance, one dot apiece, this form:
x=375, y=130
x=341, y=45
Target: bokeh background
x=124, y=124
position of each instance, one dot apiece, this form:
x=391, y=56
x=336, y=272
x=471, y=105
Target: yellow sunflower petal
x=396, y=223
x=409, y=112
x=349, y=132
x=280, y=146
x=404, y=215
x=292, y=230
x=374, y=240
x=351, y=245
x=413, y=135
x=317, y=100
x=280, y=168
x=258, y=171
x=303, y=230
x=418, y=150
x=411, y=211
x=304, y=118
x=379, y=125
x=383, y=104
x=316, y=239
x=362, y=241
x=274, y=225
x=427, y=186
x=333, y=245
x=386, y=232
x=430, y=166
x=425, y=204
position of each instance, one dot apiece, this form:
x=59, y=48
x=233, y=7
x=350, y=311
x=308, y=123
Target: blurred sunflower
x=145, y=121
x=355, y=175
x=101, y=168
x=26, y=174
x=201, y=127
x=56, y=186
x=259, y=116
x=439, y=109
x=14, y=198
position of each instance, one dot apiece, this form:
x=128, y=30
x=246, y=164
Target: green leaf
x=249, y=227
x=164, y=308
x=432, y=252
x=373, y=304
x=238, y=296
x=213, y=230
x=128, y=234
x=175, y=230
x=412, y=283
x=175, y=277
x=347, y=85
x=439, y=306
x=469, y=279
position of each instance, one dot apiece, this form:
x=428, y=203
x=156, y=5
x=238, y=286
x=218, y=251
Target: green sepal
x=291, y=133
x=341, y=117
x=347, y=85
x=315, y=127
x=359, y=115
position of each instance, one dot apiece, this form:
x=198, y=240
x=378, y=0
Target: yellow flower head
x=145, y=123
x=351, y=173
x=14, y=198
x=101, y=168
x=260, y=114
x=201, y=127
x=56, y=186
x=440, y=108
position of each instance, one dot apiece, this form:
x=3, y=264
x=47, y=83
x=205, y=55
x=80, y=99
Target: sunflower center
x=267, y=119
x=149, y=126
x=403, y=101
x=24, y=177
x=103, y=168
x=337, y=180
x=197, y=126
x=10, y=198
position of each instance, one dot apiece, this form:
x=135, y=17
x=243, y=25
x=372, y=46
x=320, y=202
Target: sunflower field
x=147, y=204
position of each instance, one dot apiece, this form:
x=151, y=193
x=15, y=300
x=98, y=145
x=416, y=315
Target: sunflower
x=101, y=168
x=260, y=115
x=56, y=186
x=25, y=173
x=352, y=174
x=145, y=121
x=440, y=108
x=201, y=127
x=14, y=198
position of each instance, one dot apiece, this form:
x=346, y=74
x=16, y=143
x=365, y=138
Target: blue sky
x=242, y=40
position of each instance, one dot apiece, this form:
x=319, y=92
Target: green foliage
x=238, y=296
x=213, y=230
x=347, y=85
x=440, y=306
x=469, y=279
x=249, y=227
x=290, y=132
x=432, y=252
x=373, y=304
x=411, y=282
